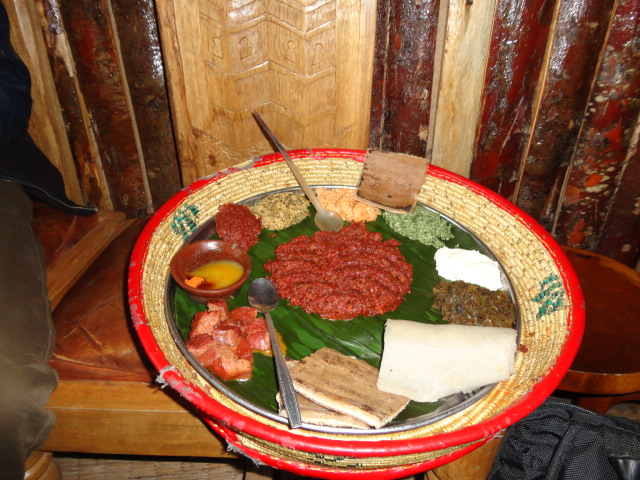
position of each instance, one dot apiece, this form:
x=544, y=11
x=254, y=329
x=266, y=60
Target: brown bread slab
x=347, y=385
x=316, y=414
x=391, y=181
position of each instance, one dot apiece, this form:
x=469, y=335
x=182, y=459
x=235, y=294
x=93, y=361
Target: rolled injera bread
x=426, y=362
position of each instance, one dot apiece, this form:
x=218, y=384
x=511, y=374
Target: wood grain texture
x=79, y=467
x=620, y=233
x=464, y=63
x=517, y=54
x=127, y=418
x=92, y=38
x=473, y=466
x=576, y=50
x=46, y=125
x=139, y=43
x=66, y=268
x=602, y=185
x=80, y=134
x=403, y=75
x=304, y=66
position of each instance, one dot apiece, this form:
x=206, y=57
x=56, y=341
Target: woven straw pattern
x=526, y=261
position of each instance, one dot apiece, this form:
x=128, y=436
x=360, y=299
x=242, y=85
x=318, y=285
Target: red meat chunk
x=243, y=315
x=228, y=366
x=199, y=344
x=223, y=341
x=243, y=350
x=257, y=334
x=206, y=322
x=218, y=305
x=227, y=335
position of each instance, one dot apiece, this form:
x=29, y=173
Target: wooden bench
x=107, y=401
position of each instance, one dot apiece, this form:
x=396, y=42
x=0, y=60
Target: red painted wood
x=600, y=211
x=516, y=55
x=403, y=74
x=140, y=47
x=88, y=24
x=580, y=34
x=70, y=98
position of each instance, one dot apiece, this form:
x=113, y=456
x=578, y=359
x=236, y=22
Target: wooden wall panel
x=90, y=29
x=516, y=58
x=554, y=127
x=578, y=40
x=403, y=75
x=139, y=43
x=601, y=201
x=86, y=155
x=567, y=153
x=305, y=66
x=46, y=124
x=464, y=63
x=619, y=237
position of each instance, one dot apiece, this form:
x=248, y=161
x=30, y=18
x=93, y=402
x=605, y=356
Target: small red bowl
x=199, y=253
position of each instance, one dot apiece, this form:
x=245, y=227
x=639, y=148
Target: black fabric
x=559, y=441
x=24, y=163
x=15, y=87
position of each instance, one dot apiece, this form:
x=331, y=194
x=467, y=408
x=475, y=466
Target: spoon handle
x=284, y=379
x=294, y=169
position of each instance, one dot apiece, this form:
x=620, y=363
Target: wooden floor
x=116, y=468
x=99, y=468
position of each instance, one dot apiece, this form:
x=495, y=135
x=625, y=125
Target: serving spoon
x=264, y=296
x=325, y=219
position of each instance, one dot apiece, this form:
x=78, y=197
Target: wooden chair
x=606, y=369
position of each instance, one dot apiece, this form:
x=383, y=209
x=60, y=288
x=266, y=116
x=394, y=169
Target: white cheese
x=469, y=266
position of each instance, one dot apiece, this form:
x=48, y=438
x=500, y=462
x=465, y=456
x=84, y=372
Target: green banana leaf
x=303, y=333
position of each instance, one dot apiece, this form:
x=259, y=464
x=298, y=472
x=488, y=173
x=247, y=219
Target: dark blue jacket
x=20, y=159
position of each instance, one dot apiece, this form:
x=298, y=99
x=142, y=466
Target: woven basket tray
x=550, y=307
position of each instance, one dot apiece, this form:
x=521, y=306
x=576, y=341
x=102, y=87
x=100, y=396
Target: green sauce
x=422, y=225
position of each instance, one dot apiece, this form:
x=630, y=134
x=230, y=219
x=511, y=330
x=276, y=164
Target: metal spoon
x=264, y=296
x=325, y=219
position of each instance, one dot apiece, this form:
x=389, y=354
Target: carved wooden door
x=304, y=65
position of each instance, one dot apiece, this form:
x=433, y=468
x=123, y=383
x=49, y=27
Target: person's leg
x=27, y=338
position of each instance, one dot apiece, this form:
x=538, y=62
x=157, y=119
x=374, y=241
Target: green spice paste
x=281, y=210
x=423, y=225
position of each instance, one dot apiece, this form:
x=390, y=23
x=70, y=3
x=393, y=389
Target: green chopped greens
x=281, y=210
x=423, y=225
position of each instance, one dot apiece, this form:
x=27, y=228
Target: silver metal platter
x=446, y=406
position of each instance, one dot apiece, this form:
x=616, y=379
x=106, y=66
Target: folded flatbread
x=346, y=385
x=427, y=362
x=316, y=414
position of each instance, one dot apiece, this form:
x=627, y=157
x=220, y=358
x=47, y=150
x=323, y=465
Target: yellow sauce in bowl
x=218, y=274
